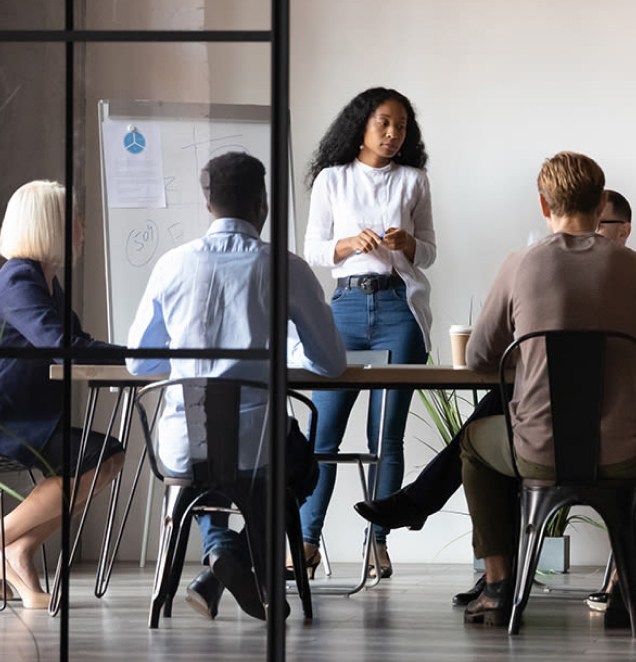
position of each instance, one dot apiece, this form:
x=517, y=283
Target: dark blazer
x=30, y=403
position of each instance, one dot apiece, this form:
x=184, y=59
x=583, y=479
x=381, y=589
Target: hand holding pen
x=366, y=241
x=395, y=239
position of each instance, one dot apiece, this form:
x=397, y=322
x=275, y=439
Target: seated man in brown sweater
x=573, y=279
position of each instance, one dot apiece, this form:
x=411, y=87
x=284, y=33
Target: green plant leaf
x=12, y=492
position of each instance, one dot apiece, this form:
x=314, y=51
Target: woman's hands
x=395, y=239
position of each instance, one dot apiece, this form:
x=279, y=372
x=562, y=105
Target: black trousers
x=441, y=477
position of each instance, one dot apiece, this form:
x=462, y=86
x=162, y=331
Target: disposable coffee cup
x=459, y=336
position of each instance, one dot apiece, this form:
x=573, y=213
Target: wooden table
x=354, y=377
x=395, y=376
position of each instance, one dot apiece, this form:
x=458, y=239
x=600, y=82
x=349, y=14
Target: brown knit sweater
x=563, y=282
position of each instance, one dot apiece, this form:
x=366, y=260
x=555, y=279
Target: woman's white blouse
x=349, y=198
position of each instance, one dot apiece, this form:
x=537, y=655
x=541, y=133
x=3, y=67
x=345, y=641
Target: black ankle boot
x=393, y=512
x=464, y=599
x=492, y=608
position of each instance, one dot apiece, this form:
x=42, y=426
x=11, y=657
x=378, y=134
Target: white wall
x=498, y=85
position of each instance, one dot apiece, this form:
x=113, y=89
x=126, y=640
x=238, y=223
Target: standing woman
x=31, y=315
x=370, y=221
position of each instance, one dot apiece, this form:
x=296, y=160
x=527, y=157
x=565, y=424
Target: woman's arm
x=425, y=250
x=320, y=246
x=30, y=309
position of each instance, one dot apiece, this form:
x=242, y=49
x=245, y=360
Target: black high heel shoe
x=386, y=567
x=395, y=511
x=312, y=561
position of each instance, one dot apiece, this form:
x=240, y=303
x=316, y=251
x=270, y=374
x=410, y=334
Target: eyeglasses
x=613, y=220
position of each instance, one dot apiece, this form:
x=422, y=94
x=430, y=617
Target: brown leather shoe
x=493, y=607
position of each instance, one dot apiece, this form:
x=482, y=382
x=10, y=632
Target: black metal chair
x=212, y=409
x=9, y=466
x=576, y=363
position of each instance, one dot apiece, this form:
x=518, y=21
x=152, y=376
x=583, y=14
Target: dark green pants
x=491, y=489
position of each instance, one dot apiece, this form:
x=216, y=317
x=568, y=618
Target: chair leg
x=609, y=571
x=251, y=502
x=175, y=500
x=294, y=535
x=534, y=512
x=325, y=556
x=177, y=563
x=624, y=547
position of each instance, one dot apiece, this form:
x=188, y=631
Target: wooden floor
x=408, y=617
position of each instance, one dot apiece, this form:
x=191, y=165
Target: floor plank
x=406, y=618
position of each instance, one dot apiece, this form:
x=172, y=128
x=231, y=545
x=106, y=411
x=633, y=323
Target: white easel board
x=151, y=157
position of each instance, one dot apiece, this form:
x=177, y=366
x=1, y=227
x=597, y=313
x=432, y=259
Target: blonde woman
x=31, y=315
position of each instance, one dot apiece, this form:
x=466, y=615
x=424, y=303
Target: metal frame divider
x=279, y=38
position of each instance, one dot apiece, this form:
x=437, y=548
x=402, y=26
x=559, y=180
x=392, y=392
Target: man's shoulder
x=298, y=263
x=182, y=252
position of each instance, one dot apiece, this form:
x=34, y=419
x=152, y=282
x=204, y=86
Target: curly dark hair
x=341, y=143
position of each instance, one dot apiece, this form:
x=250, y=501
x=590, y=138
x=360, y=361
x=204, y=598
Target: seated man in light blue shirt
x=214, y=293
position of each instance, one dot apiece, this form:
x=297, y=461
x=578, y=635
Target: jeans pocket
x=338, y=293
x=399, y=293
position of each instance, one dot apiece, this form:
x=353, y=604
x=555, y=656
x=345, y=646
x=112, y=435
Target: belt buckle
x=369, y=284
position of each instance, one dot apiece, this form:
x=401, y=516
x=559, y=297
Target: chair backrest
x=212, y=407
x=369, y=357
x=576, y=374
x=213, y=413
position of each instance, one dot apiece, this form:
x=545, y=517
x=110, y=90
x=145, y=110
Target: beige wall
x=498, y=84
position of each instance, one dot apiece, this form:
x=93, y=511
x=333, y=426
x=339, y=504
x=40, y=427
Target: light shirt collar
x=224, y=225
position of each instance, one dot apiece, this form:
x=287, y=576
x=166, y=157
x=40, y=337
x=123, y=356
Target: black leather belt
x=371, y=283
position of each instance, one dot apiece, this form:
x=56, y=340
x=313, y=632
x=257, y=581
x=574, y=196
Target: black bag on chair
x=301, y=466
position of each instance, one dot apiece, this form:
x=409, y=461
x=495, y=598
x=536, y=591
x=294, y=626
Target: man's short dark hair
x=233, y=184
x=620, y=205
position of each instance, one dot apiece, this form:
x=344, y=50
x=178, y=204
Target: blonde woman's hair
x=571, y=183
x=33, y=225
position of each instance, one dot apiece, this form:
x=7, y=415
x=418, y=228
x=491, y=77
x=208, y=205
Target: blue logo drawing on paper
x=134, y=142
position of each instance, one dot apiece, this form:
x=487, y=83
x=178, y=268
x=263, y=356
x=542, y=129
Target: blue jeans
x=377, y=321
x=216, y=534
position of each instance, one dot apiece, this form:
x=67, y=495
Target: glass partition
x=43, y=138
